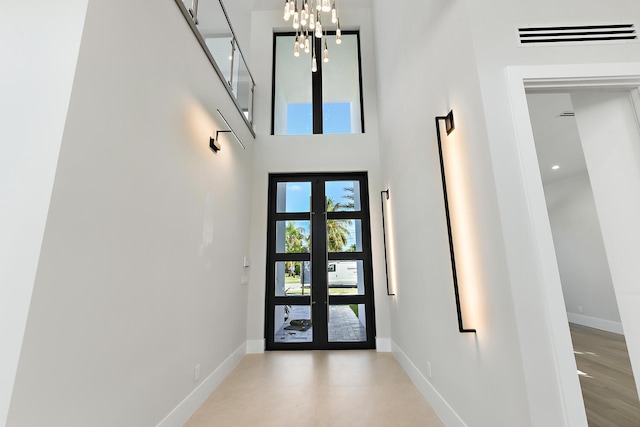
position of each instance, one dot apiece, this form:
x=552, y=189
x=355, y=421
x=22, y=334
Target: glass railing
x=210, y=24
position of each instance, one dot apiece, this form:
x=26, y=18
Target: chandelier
x=307, y=17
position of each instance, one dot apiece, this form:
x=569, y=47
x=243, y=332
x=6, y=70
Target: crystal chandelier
x=308, y=17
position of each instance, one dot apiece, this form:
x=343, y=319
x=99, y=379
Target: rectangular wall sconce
x=449, y=123
x=384, y=195
x=449, y=127
x=214, y=143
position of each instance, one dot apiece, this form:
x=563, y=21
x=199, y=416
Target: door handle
x=326, y=257
x=313, y=302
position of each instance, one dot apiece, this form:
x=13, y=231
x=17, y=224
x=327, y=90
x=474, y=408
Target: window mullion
x=316, y=96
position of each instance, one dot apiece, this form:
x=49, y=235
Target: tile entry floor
x=316, y=388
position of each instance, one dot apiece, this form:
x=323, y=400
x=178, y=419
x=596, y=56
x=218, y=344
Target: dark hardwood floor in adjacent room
x=608, y=387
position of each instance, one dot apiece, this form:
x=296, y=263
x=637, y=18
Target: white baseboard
x=255, y=346
x=383, y=345
x=192, y=402
x=593, y=322
x=437, y=402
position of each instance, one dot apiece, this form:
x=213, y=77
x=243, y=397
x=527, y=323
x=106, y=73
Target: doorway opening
x=319, y=283
x=603, y=364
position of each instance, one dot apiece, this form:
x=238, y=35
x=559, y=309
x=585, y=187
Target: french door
x=319, y=276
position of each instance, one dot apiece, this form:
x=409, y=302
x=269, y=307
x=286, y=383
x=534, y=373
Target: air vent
x=577, y=34
x=567, y=114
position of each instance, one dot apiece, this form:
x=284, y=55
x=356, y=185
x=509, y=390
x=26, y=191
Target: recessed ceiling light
x=555, y=167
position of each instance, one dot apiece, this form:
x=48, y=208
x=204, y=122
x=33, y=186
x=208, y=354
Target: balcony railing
x=210, y=24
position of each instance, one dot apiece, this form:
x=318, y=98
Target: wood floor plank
x=608, y=387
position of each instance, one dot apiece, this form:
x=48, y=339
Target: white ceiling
x=557, y=138
x=279, y=4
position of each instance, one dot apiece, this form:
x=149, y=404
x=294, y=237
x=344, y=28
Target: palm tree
x=337, y=231
x=350, y=195
x=296, y=240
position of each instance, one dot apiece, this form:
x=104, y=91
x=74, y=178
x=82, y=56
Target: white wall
x=424, y=71
x=582, y=260
x=553, y=391
x=39, y=42
x=608, y=126
x=139, y=275
x=320, y=153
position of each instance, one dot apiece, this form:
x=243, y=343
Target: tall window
x=326, y=101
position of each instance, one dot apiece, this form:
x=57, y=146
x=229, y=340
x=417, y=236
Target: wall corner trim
x=255, y=346
x=383, y=345
x=192, y=402
x=439, y=404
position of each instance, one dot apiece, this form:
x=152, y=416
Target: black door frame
x=319, y=260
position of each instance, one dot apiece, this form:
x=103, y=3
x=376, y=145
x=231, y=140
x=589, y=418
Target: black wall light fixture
x=384, y=237
x=450, y=126
x=214, y=143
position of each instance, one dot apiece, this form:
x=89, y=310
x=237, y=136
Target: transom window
x=327, y=101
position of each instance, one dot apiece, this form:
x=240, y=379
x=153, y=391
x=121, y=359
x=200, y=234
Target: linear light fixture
x=214, y=143
x=450, y=126
x=384, y=237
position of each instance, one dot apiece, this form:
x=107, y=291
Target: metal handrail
x=192, y=19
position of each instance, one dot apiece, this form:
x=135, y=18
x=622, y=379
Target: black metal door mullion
x=319, y=261
x=270, y=298
x=316, y=84
x=368, y=260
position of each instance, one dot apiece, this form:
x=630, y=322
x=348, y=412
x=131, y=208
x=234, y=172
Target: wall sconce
x=214, y=143
x=450, y=126
x=384, y=237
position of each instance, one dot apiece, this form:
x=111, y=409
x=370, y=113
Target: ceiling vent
x=567, y=114
x=577, y=34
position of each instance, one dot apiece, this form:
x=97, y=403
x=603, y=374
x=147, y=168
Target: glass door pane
x=342, y=196
x=346, y=277
x=292, y=324
x=293, y=278
x=345, y=235
x=347, y=323
x=293, y=236
x=293, y=197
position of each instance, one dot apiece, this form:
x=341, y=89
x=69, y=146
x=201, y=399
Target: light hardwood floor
x=608, y=387
x=316, y=388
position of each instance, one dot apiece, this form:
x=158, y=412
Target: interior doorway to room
x=319, y=283
x=604, y=366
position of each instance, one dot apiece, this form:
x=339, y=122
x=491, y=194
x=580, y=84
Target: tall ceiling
x=556, y=136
